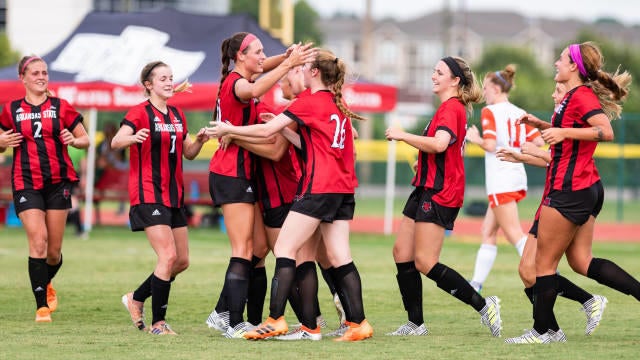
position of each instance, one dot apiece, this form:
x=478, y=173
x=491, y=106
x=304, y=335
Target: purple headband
x=246, y=41
x=503, y=80
x=576, y=56
x=24, y=66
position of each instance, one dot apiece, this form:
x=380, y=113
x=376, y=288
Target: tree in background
x=250, y=7
x=533, y=83
x=304, y=26
x=305, y=18
x=8, y=56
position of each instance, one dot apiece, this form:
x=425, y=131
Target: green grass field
x=91, y=323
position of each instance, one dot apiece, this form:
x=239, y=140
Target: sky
x=625, y=11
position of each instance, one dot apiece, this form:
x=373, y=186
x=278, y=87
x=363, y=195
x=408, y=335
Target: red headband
x=24, y=66
x=246, y=41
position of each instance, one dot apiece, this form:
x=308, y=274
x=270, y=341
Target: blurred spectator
x=108, y=158
x=79, y=159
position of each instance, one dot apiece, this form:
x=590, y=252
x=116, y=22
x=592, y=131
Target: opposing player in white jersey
x=506, y=183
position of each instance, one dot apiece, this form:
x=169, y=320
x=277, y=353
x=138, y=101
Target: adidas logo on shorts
x=249, y=189
x=155, y=212
x=22, y=199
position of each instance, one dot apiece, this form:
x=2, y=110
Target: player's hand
x=393, y=133
x=140, y=136
x=218, y=129
x=473, y=135
x=10, y=139
x=553, y=135
x=67, y=137
x=508, y=154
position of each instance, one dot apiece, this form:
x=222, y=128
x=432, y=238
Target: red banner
x=107, y=96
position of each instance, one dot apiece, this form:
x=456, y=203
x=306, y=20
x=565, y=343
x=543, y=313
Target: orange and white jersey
x=499, y=123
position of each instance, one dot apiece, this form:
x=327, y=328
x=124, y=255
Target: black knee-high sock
x=572, y=291
x=334, y=276
x=144, y=290
x=295, y=301
x=283, y=280
x=53, y=269
x=38, y=274
x=545, y=292
x=410, y=284
x=159, y=298
x=307, y=281
x=450, y=281
x=529, y=292
x=256, y=295
x=608, y=273
x=223, y=302
x=326, y=275
x=237, y=280
x=349, y=288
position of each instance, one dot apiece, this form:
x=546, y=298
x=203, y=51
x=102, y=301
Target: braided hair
x=332, y=74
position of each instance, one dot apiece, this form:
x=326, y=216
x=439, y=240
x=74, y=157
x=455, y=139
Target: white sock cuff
x=520, y=245
x=489, y=247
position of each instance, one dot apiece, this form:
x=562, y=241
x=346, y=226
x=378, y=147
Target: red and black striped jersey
x=326, y=140
x=572, y=166
x=41, y=158
x=233, y=161
x=155, y=165
x=276, y=181
x=443, y=173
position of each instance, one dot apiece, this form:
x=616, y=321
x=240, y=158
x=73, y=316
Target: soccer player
x=231, y=178
x=574, y=191
x=434, y=204
x=325, y=197
x=157, y=136
x=39, y=128
x=506, y=182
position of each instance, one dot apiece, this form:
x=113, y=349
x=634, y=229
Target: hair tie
x=246, y=41
x=503, y=80
x=24, y=66
x=576, y=56
x=335, y=61
x=455, y=69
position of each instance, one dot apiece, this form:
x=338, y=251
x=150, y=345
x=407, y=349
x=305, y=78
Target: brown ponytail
x=504, y=79
x=332, y=73
x=610, y=88
x=228, y=50
x=471, y=92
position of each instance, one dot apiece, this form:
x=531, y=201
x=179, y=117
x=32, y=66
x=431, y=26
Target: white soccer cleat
x=533, y=337
x=490, y=315
x=302, y=333
x=218, y=321
x=410, y=329
x=238, y=331
x=339, y=331
x=593, y=309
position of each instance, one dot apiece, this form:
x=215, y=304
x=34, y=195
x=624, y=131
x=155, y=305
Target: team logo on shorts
x=66, y=193
x=426, y=206
x=546, y=201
